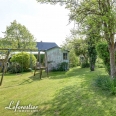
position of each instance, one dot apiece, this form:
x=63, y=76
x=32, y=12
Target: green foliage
x=25, y=60
x=61, y=67
x=80, y=47
x=85, y=65
x=77, y=47
x=83, y=62
x=18, y=36
x=42, y=58
x=69, y=45
x=73, y=59
x=14, y=68
x=99, y=63
x=92, y=55
x=92, y=40
x=3, y=43
x=103, y=52
x=106, y=83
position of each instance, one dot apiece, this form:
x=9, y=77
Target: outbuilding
x=55, y=55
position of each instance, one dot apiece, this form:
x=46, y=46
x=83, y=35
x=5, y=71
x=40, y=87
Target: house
x=55, y=55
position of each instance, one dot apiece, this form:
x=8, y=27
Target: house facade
x=55, y=55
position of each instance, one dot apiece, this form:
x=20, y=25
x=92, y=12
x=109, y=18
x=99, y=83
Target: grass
x=68, y=93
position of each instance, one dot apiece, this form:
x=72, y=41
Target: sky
x=47, y=23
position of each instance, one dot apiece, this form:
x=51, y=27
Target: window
x=64, y=56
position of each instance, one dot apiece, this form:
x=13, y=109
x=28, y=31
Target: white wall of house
x=55, y=56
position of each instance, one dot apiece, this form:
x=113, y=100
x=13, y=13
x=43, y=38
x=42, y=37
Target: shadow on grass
x=37, y=76
x=25, y=81
x=74, y=72
x=76, y=101
x=81, y=99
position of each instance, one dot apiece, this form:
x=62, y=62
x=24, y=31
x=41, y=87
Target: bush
x=61, y=67
x=84, y=65
x=100, y=66
x=15, y=68
x=106, y=83
x=25, y=60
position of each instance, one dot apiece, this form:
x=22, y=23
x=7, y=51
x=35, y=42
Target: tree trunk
x=92, y=66
x=112, y=60
x=4, y=62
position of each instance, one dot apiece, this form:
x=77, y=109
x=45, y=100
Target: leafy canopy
x=17, y=36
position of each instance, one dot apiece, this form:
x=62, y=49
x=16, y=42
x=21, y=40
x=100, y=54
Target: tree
x=18, y=36
x=92, y=37
x=104, y=13
x=73, y=59
x=3, y=43
x=79, y=47
x=92, y=53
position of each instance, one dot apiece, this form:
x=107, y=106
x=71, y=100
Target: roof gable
x=46, y=45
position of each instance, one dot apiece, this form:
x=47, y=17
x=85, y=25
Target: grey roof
x=46, y=45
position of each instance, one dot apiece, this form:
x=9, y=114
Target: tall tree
x=93, y=37
x=18, y=36
x=105, y=10
x=92, y=53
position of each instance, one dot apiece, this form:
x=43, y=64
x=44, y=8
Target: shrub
x=61, y=67
x=84, y=65
x=106, y=83
x=25, y=60
x=100, y=66
x=15, y=68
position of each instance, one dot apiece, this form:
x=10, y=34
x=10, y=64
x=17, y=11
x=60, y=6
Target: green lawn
x=68, y=93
